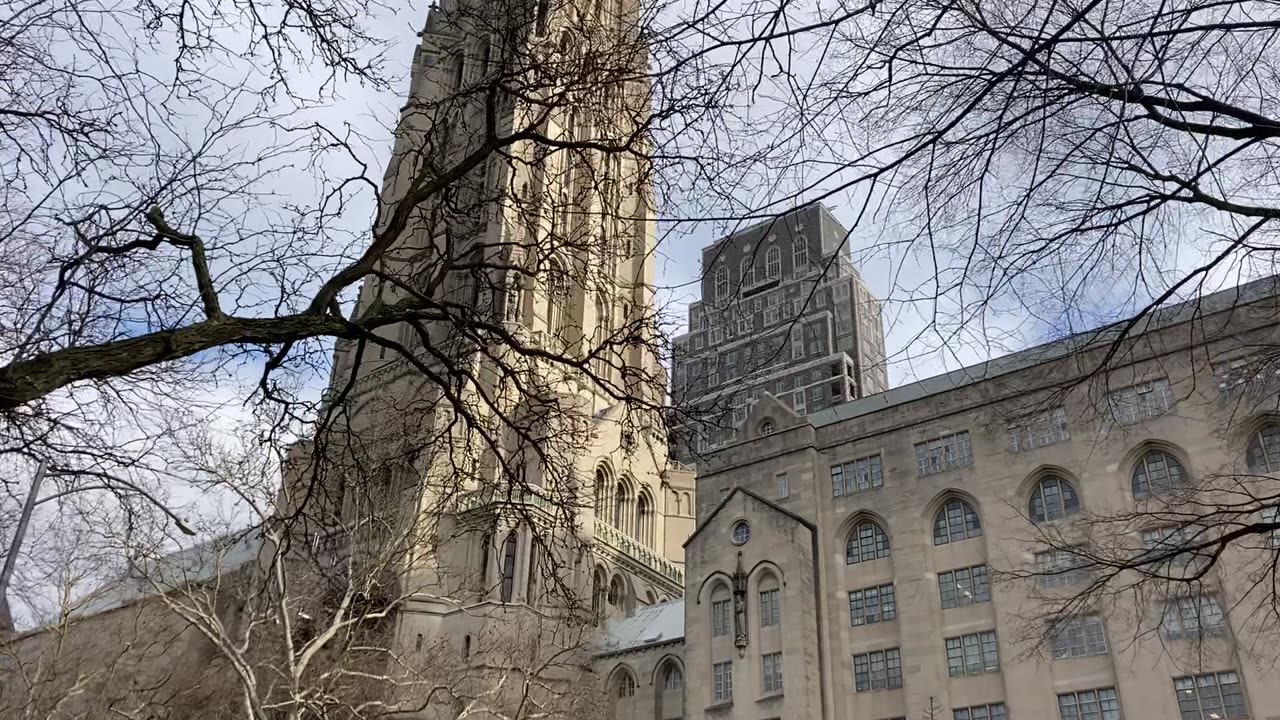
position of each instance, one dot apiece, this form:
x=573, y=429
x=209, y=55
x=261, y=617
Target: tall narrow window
x=773, y=262
x=557, y=299
x=544, y=12
x=747, y=271
x=509, y=567
x=722, y=282
x=644, y=519
x=722, y=679
x=721, y=617
x=486, y=542
x=621, y=501
x=800, y=254
x=531, y=588
x=770, y=609
x=771, y=663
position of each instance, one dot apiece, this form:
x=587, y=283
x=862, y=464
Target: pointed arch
x=1262, y=450
x=867, y=541
x=1156, y=472
x=598, y=593
x=557, y=297
x=1053, y=497
x=509, y=547
x=956, y=520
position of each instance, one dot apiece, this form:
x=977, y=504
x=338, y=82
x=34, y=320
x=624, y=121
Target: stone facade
x=899, y=510
x=784, y=312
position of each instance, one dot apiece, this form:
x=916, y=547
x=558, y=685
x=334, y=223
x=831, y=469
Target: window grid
x=956, y=521
x=773, y=262
x=672, y=679
x=872, y=605
x=720, y=618
x=772, y=665
x=943, y=453
x=1263, y=452
x=1156, y=473
x=1078, y=637
x=1097, y=704
x=972, y=654
x=1161, y=541
x=1040, y=430
x=878, y=670
x=1133, y=404
x=1211, y=696
x=992, y=711
x=867, y=542
x=1271, y=514
x=722, y=677
x=1053, y=499
x=800, y=254
x=964, y=586
x=1059, y=568
x=1191, y=617
x=784, y=485
x=770, y=609
x=856, y=476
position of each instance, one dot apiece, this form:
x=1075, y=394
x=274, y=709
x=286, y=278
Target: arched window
x=672, y=677
x=531, y=593
x=617, y=591
x=626, y=686
x=486, y=542
x=748, y=271
x=766, y=426
x=509, y=567
x=604, y=482
x=1263, y=453
x=557, y=298
x=800, y=254
x=644, y=519
x=514, y=308
x=773, y=262
x=956, y=521
x=621, y=503
x=1157, y=472
x=1053, y=499
x=867, y=542
x=722, y=282
x=598, y=595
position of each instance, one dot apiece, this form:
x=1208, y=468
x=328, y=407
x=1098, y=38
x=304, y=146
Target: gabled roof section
x=757, y=498
x=653, y=625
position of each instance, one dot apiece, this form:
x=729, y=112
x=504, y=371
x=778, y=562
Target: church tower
x=504, y=424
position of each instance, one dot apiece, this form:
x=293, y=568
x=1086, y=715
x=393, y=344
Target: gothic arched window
x=644, y=519
x=621, y=502
x=867, y=542
x=1263, y=452
x=557, y=298
x=1053, y=499
x=509, y=567
x=1157, y=472
x=956, y=521
x=604, y=481
x=672, y=677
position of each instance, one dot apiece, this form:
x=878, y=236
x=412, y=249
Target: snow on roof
x=649, y=626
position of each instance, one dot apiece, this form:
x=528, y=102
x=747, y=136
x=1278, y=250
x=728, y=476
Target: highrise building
x=783, y=311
